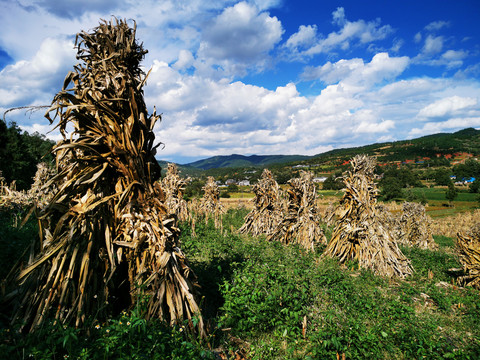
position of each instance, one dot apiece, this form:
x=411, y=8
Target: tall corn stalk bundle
x=210, y=203
x=468, y=246
x=267, y=211
x=414, y=227
x=174, y=187
x=38, y=194
x=38, y=191
x=301, y=222
x=359, y=234
x=106, y=236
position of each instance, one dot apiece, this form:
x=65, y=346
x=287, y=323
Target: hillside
x=236, y=160
x=431, y=146
x=432, y=151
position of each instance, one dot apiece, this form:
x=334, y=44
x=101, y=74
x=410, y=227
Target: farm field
x=264, y=300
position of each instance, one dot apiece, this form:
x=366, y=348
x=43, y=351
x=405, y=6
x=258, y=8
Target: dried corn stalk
x=468, y=246
x=210, y=203
x=38, y=194
x=414, y=227
x=359, y=234
x=267, y=211
x=452, y=225
x=174, y=187
x=301, y=222
x=107, y=237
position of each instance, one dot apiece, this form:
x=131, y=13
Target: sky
x=264, y=77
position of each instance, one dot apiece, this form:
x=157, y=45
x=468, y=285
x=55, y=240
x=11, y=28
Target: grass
x=263, y=300
x=438, y=194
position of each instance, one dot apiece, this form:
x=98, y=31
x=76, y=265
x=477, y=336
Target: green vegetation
x=269, y=301
x=333, y=182
x=20, y=152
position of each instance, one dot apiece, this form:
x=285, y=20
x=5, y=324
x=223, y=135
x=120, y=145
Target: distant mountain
x=236, y=160
x=431, y=146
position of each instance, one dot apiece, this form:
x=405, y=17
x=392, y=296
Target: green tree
x=20, y=152
x=391, y=188
x=333, y=182
x=475, y=186
x=471, y=168
x=232, y=188
x=451, y=193
x=442, y=177
x=404, y=176
x=193, y=189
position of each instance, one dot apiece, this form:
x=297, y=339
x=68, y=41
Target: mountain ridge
x=465, y=140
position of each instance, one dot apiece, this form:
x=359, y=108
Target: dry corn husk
x=414, y=227
x=452, y=225
x=37, y=196
x=267, y=211
x=210, y=203
x=301, y=222
x=174, y=187
x=468, y=246
x=106, y=236
x=359, y=234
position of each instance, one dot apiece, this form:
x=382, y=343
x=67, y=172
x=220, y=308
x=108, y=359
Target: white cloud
x=447, y=106
x=39, y=78
x=198, y=51
x=437, y=25
x=185, y=60
x=450, y=125
x=433, y=45
x=356, y=72
x=305, y=37
x=351, y=33
x=240, y=37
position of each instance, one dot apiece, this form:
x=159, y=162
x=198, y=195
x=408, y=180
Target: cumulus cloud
x=304, y=37
x=240, y=35
x=447, y=107
x=39, y=78
x=199, y=50
x=453, y=124
x=351, y=33
x=356, y=72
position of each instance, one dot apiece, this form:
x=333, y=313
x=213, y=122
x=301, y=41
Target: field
x=264, y=300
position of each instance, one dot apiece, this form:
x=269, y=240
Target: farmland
x=262, y=300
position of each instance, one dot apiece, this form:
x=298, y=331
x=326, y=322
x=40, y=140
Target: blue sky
x=265, y=76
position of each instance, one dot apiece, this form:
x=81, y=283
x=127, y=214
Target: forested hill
x=236, y=160
x=431, y=146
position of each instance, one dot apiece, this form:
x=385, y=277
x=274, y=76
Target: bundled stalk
x=37, y=196
x=267, y=211
x=301, y=222
x=359, y=234
x=106, y=236
x=414, y=227
x=468, y=246
x=210, y=203
x=174, y=187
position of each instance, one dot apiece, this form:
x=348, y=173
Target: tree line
x=20, y=152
